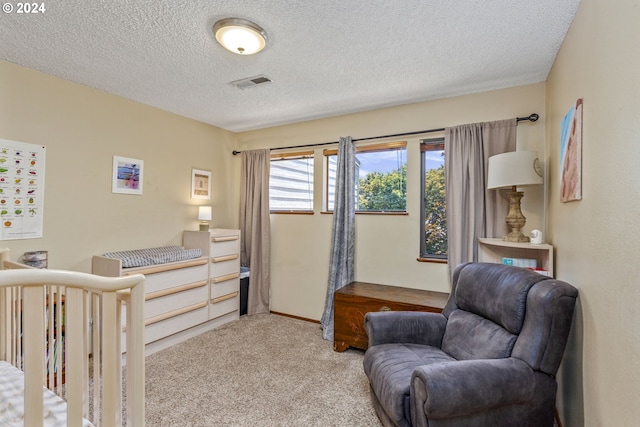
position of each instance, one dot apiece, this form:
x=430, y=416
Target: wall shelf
x=493, y=250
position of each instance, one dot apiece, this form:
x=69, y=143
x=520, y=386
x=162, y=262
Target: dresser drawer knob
x=384, y=308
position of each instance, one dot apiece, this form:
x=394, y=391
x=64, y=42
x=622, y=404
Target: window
x=434, y=208
x=381, y=177
x=291, y=182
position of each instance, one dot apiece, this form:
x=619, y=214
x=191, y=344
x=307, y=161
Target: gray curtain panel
x=343, y=235
x=255, y=227
x=472, y=210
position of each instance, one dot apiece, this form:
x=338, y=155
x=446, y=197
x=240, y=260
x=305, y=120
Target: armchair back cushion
x=496, y=312
x=541, y=343
x=491, y=305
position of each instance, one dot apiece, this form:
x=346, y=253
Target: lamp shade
x=204, y=213
x=515, y=168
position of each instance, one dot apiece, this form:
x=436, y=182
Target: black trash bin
x=244, y=289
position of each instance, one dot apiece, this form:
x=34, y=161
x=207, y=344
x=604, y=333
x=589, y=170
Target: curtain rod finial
x=531, y=117
x=235, y=153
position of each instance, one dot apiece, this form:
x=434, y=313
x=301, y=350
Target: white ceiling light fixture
x=240, y=36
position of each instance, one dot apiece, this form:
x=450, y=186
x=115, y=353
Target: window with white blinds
x=291, y=182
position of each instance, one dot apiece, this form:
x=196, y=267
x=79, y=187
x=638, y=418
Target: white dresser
x=176, y=297
x=175, y=300
x=186, y=298
x=222, y=247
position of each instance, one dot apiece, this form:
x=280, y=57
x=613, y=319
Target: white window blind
x=291, y=182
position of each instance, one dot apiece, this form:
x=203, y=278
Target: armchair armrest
x=414, y=327
x=465, y=387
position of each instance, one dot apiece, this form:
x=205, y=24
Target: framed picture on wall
x=127, y=175
x=200, y=184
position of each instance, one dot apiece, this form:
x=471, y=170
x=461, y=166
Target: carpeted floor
x=263, y=370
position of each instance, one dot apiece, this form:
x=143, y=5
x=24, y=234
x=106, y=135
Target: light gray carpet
x=263, y=370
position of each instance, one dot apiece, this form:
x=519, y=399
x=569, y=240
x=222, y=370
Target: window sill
x=433, y=260
x=292, y=212
x=373, y=213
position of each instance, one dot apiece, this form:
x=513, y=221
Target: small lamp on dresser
x=204, y=216
x=511, y=170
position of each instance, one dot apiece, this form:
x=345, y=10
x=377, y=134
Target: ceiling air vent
x=251, y=81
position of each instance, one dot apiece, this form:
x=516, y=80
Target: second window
x=381, y=177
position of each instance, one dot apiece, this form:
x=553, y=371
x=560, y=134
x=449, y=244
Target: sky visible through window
x=381, y=161
x=388, y=161
x=433, y=159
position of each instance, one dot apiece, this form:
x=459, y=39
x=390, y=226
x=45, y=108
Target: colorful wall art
x=571, y=154
x=21, y=190
x=127, y=175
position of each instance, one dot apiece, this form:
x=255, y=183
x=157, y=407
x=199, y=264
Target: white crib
x=60, y=358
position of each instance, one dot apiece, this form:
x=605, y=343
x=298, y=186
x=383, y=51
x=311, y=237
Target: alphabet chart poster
x=21, y=190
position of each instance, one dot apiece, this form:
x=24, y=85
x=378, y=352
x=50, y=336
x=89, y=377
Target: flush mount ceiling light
x=240, y=36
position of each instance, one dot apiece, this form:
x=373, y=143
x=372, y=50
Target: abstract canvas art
x=571, y=154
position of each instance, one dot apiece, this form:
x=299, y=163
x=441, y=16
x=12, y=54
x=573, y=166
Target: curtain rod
x=531, y=117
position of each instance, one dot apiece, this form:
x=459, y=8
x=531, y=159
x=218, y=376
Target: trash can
x=244, y=289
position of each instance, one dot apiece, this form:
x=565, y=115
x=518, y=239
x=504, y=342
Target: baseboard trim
x=295, y=317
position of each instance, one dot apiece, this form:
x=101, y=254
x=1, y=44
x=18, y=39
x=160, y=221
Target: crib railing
x=63, y=329
x=13, y=321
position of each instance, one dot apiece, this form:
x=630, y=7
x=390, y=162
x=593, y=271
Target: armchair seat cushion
x=389, y=368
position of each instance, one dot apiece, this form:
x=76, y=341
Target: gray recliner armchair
x=489, y=359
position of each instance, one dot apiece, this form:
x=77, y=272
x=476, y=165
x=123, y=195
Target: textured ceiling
x=325, y=57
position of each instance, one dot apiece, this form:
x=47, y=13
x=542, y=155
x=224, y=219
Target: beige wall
x=387, y=246
x=597, y=239
x=82, y=130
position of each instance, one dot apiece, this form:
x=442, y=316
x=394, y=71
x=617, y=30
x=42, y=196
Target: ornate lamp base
x=515, y=219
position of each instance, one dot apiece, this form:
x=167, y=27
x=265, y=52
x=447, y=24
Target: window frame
x=310, y=154
x=431, y=144
x=364, y=148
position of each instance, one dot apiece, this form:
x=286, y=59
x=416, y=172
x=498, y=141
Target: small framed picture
x=127, y=175
x=200, y=184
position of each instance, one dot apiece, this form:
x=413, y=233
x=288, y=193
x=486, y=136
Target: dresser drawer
x=169, y=323
x=175, y=298
x=225, y=304
x=178, y=321
x=227, y=277
x=224, y=288
x=224, y=245
x=182, y=276
x=224, y=265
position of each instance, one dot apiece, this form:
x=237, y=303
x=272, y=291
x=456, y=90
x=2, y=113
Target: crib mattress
x=154, y=256
x=12, y=400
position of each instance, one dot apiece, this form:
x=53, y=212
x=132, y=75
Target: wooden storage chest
x=356, y=299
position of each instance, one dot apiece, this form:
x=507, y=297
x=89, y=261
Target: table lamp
x=204, y=216
x=511, y=170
